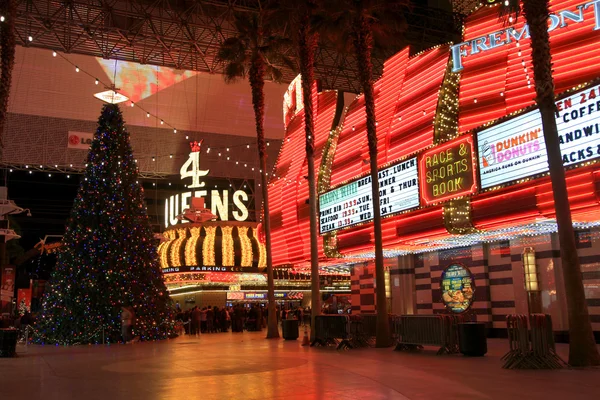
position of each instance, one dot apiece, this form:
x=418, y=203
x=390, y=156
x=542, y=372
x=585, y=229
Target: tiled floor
x=246, y=366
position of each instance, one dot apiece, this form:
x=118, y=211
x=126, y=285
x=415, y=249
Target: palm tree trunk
x=7, y=61
x=306, y=47
x=582, y=349
x=257, y=83
x=363, y=43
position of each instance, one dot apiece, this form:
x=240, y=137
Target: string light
x=53, y=54
x=97, y=81
x=76, y=69
x=30, y=38
x=2, y=18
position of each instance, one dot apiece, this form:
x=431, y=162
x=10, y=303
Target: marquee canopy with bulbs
x=461, y=153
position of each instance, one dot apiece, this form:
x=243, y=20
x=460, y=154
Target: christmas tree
x=108, y=259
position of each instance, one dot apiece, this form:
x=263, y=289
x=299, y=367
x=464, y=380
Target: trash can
x=8, y=342
x=290, y=329
x=471, y=339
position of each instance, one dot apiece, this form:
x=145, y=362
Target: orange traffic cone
x=305, y=341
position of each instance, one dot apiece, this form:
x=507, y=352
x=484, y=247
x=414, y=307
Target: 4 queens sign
x=515, y=149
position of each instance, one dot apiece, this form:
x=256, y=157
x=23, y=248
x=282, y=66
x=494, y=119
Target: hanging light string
x=223, y=152
x=112, y=86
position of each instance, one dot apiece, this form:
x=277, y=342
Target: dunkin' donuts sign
x=516, y=149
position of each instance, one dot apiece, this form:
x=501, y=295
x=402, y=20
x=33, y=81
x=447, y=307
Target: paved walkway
x=246, y=366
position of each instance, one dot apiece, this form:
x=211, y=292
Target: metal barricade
x=332, y=329
x=363, y=329
x=531, y=350
x=416, y=331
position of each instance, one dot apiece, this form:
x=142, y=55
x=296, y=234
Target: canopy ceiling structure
x=186, y=34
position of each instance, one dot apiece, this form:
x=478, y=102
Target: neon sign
x=194, y=161
x=448, y=171
x=222, y=202
x=509, y=35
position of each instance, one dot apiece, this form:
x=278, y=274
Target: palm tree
x=7, y=59
x=582, y=348
x=257, y=52
x=363, y=24
x=299, y=15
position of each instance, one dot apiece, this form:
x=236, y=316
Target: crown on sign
x=195, y=146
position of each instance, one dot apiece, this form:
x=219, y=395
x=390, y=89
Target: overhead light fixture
x=111, y=97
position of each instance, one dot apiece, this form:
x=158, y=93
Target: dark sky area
x=50, y=199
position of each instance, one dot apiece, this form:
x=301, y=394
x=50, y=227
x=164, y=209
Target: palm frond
x=508, y=10
x=233, y=50
x=233, y=71
x=275, y=73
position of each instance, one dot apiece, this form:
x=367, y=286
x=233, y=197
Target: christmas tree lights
x=108, y=259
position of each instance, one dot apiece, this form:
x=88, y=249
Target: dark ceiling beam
x=186, y=34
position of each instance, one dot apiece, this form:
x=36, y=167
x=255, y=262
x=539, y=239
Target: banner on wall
x=7, y=287
x=516, y=149
x=79, y=140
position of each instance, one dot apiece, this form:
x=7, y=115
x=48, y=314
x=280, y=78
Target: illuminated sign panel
x=448, y=171
x=516, y=149
x=264, y=296
x=352, y=204
x=458, y=288
x=226, y=204
x=512, y=150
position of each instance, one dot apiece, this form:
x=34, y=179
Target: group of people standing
x=204, y=320
x=240, y=317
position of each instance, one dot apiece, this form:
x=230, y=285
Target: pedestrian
x=127, y=320
x=210, y=319
x=203, y=320
x=195, y=330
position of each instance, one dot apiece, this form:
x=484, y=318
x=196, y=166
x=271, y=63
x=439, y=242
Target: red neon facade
x=493, y=84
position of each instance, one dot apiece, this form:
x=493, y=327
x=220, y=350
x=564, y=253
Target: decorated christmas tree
x=108, y=259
